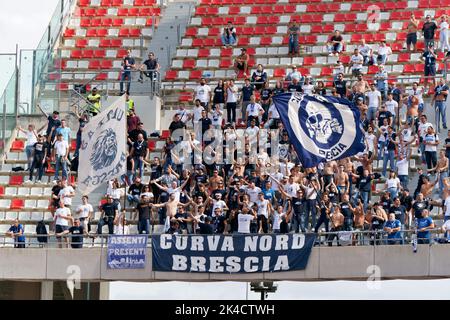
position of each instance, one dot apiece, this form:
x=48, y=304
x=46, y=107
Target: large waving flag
x=320, y=128
x=103, y=148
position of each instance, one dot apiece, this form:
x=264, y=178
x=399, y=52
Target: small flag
x=320, y=128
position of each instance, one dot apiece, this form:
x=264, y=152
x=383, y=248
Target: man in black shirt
x=364, y=186
x=139, y=153
x=429, y=57
x=390, y=145
x=152, y=67
x=340, y=85
x=295, y=86
x=53, y=123
x=133, y=135
x=128, y=64
x=399, y=211
x=247, y=92
x=109, y=216
x=134, y=191
x=347, y=211
x=176, y=124
x=205, y=122
x=143, y=211
x=335, y=44
x=384, y=114
x=428, y=29
x=77, y=231
x=40, y=149
x=206, y=227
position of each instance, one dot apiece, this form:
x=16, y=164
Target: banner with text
x=127, y=252
x=231, y=254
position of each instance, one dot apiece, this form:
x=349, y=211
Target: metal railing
x=339, y=238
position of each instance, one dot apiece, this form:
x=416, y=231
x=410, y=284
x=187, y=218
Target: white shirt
x=370, y=139
x=273, y=111
x=391, y=106
x=31, y=138
x=407, y=135
x=384, y=50
x=254, y=109
x=85, y=209
x=312, y=191
x=418, y=93
x=373, y=97
x=203, y=93
x=383, y=130
x=64, y=195
x=197, y=113
x=447, y=207
x=443, y=26
x=357, y=61
x=62, y=212
x=176, y=192
x=184, y=115
x=393, y=182
x=423, y=128
x=364, y=49
x=277, y=176
x=308, y=89
x=218, y=204
x=216, y=118
x=244, y=222
x=232, y=94
x=253, y=193
x=61, y=147
x=291, y=189
x=252, y=132
x=431, y=138
x=263, y=208
x=403, y=167
x=276, y=220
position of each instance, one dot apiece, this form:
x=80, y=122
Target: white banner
x=103, y=148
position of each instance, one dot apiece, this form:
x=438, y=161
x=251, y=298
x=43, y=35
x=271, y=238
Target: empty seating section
x=98, y=32
x=262, y=25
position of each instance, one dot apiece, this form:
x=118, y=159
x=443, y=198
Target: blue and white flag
x=320, y=128
x=103, y=148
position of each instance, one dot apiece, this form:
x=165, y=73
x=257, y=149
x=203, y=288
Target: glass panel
x=8, y=66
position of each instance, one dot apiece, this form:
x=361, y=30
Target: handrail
x=358, y=238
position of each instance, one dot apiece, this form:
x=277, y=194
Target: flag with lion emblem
x=103, y=148
x=320, y=128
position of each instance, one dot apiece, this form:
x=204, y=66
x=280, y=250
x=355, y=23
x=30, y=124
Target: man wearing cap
x=241, y=62
x=94, y=100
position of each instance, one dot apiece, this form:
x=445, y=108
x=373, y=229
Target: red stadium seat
x=124, y=33
x=81, y=43
x=15, y=180
x=403, y=57
x=279, y=73
x=102, y=12
x=116, y=43
x=69, y=33
x=84, y=3
x=226, y=52
x=91, y=33
x=96, y=23
x=62, y=86
x=203, y=53
x=99, y=53
x=73, y=145
x=265, y=41
x=102, y=33
x=165, y=134
x=94, y=64
x=171, y=74
x=307, y=61
x=213, y=32
x=18, y=146
x=76, y=54
x=106, y=3
x=85, y=23
x=117, y=22
x=135, y=33
x=408, y=68
x=106, y=64
x=101, y=77
x=151, y=145
x=326, y=71
x=195, y=74
x=107, y=22
x=17, y=204
x=105, y=43
x=189, y=64
x=191, y=31
x=88, y=54
x=121, y=53
x=225, y=63
x=117, y=3
x=2, y=191
x=133, y=12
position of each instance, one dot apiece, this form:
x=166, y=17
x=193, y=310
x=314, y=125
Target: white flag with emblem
x=103, y=148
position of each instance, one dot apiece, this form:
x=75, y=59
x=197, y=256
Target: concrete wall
x=346, y=263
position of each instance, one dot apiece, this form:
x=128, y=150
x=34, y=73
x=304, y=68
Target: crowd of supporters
x=262, y=187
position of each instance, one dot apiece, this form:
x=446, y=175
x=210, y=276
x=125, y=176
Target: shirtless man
x=411, y=38
x=342, y=181
x=427, y=186
x=171, y=208
x=337, y=221
x=215, y=180
x=360, y=87
x=358, y=219
x=442, y=170
x=328, y=174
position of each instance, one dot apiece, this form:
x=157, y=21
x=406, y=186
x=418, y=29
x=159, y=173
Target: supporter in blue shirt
x=16, y=232
x=424, y=225
x=64, y=130
x=269, y=194
x=393, y=227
